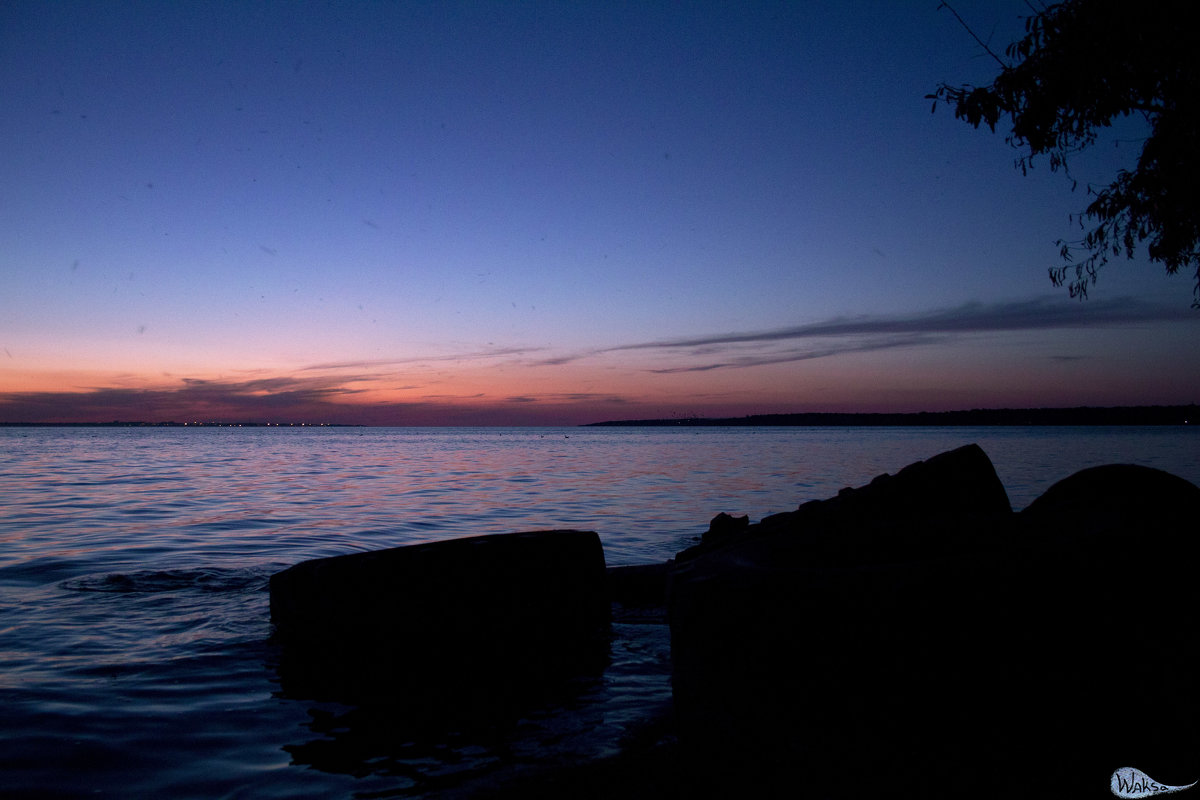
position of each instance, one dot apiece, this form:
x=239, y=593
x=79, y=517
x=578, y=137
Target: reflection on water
x=574, y=721
x=135, y=655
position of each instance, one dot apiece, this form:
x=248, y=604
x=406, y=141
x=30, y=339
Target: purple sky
x=539, y=213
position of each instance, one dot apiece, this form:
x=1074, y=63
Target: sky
x=541, y=213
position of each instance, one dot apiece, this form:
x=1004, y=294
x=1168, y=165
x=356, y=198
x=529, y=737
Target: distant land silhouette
x=1084, y=415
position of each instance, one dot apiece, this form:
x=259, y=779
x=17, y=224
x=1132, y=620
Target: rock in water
x=895, y=517
x=476, y=620
x=802, y=639
x=1109, y=608
x=914, y=637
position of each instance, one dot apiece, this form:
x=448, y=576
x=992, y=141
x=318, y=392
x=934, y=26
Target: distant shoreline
x=1083, y=415
x=978, y=417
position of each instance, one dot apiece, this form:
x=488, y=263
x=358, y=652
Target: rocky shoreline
x=912, y=637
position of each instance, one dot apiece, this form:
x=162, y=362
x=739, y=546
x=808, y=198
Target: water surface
x=134, y=635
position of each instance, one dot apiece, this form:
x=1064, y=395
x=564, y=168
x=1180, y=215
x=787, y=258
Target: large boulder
x=916, y=637
x=1109, y=611
x=484, y=621
x=918, y=511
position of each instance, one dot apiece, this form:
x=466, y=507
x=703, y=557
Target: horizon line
x=663, y=421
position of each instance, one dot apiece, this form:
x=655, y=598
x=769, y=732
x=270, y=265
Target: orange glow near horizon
x=518, y=389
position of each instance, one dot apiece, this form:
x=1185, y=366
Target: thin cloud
x=202, y=400
x=570, y=397
x=275, y=385
x=807, y=354
x=566, y=358
x=1037, y=314
x=886, y=332
x=502, y=352
x=195, y=398
x=339, y=394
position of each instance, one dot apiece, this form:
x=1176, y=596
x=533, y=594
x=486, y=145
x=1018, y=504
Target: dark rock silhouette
x=722, y=529
x=914, y=637
x=447, y=633
x=901, y=517
x=1110, y=607
x=910, y=637
x=639, y=585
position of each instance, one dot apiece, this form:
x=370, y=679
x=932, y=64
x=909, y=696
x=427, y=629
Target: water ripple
x=135, y=657
x=206, y=580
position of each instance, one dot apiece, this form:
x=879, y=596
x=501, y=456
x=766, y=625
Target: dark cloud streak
x=338, y=397
x=262, y=399
x=933, y=327
x=788, y=356
x=1038, y=314
x=395, y=362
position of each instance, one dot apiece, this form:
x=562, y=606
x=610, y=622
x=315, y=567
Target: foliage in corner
x=1081, y=65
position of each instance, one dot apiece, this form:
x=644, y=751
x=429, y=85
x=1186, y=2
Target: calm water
x=134, y=653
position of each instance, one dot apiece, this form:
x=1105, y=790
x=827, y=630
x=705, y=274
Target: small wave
x=172, y=580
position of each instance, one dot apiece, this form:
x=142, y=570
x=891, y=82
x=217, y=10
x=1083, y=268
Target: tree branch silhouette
x=1082, y=65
